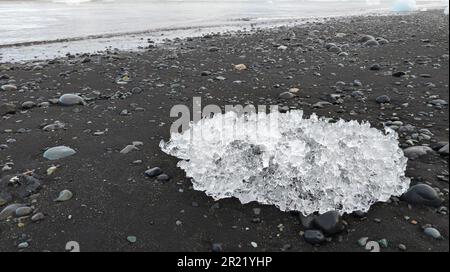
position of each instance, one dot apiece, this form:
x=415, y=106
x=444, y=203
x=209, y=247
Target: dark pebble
x=163, y=177
x=422, y=194
x=155, y=171
x=314, y=237
x=329, y=222
x=383, y=99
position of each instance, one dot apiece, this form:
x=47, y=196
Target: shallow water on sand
x=92, y=25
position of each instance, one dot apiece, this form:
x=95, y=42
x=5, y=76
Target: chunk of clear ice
x=404, y=6
x=297, y=164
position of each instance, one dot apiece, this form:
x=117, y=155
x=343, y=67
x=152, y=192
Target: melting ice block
x=404, y=6
x=295, y=163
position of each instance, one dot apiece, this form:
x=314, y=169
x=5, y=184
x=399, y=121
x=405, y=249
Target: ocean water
x=47, y=28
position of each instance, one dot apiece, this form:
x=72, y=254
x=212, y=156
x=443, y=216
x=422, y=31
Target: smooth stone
x=132, y=239
x=330, y=45
x=28, y=105
x=163, y=177
x=382, y=99
x=213, y=49
x=382, y=41
x=383, y=243
x=127, y=149
x=23, y=211
x=422, y=194
x=7, y=108
x=432, y=232
x=375, y=67
x=365, y=38
x=240, y=67
x=9, y=210
x=23, y=245
x=8, y=87
x=64, y=195
x=438, y=102
x=155, y=171
x=321, y=104
x=371, y=43
x=335, y=49
x=70, y=100
x=363, y=241
x=37, y=217
x=314, y=237
x=286, y=95
x=398, y=74
x=59, y=152
x=415, y=152
x=437, y=146
x=329, y=222
x=55, y=126
x=407, y=129
x=444, y=150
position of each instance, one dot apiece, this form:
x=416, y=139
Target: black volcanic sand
x=114, y=200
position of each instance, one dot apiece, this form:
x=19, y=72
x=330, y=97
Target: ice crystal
x=404, y=6
x=295, y=163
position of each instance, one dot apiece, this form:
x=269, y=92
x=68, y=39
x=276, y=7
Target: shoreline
x=128, y=97
x=137, y=41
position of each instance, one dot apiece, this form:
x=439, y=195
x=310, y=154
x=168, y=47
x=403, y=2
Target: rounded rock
x=132, y=239
x=375, y=67
x=9, y=210
x=422, y=194
x=70, y=100
x=155, y=171
x=286, y=95
x=329, y=222
x=365, y=38
x=28, y=105
x=163, y=177
x=23, y=245
x=58, y=152
x=8, y=88
x=37, y=217
x=382, y=99
x=7, y=108
x=432, y=232
x=415, y=152
x=371, y=43
x=444, y=150
x=23, y=211
x=64, y=195
x=314, y=237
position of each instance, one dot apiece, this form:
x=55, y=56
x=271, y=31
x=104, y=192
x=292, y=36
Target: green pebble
x=132, y=239
x=363, y=241
x=383, y=243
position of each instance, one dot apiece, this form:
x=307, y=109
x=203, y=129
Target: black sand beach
x=115, y=207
